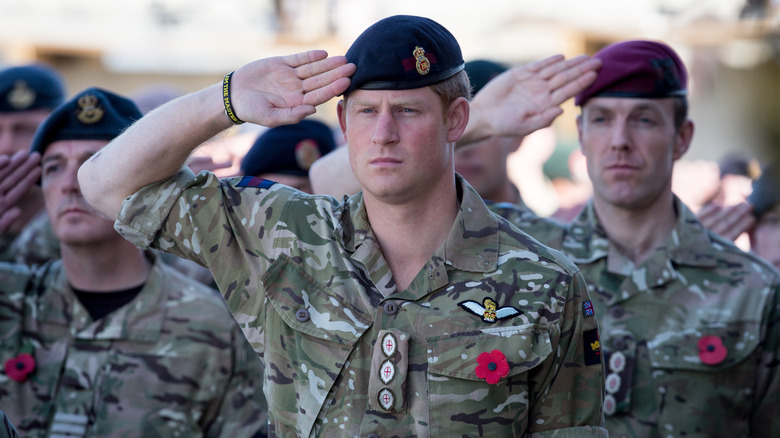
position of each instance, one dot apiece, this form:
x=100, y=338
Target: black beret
x=93, y=114
x=482, y=71
x=289, y=149
x=765, y=193
x=30, y=87
x=403, y=52
x=644, y=69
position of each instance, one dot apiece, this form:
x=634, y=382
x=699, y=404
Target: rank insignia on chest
x=488, y=310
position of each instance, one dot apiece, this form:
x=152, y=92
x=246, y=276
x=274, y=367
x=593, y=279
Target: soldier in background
x=28, y=94
x=689, y=323
x=765, y=201
x=408, y=309
x=285, y=153
x=108, y=341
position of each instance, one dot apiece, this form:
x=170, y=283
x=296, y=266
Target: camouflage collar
x=689, y=244
x=140, y=321
x=472, y=244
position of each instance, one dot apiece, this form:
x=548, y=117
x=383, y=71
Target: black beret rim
x=410, y=85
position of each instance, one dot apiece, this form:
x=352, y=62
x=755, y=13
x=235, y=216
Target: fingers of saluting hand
x=20, y=168
x=568, y=78
x=17, y=173
x=322, y=77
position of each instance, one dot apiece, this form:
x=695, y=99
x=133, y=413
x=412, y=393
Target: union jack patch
x=587, y=308
x=253, y=181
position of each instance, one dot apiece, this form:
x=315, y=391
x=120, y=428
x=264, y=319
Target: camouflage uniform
x=7, y=429
x=170, y=363
x=690, y=337
x=36, y=244
x=346, y=354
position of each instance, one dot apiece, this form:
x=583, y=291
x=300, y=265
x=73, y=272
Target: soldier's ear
x=457, y=119
x=683, y=139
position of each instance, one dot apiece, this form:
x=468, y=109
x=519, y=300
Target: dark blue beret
x=93, y=114
x=289, y=149
x=765, y=193
x=643, y=69
x=30, y=87
x=403, y=52
x=481, y=71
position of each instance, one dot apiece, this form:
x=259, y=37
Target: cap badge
x=306, y=153
x=21, y=96
x=89, y=111
x=422, y=63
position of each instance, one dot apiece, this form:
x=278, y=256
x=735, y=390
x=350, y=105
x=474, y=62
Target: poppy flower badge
x=711, y=350
x=492, y=366
x=20, y=366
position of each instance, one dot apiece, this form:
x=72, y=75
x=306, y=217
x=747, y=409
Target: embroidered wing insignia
x=488, y=311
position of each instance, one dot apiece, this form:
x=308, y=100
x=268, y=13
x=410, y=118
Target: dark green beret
x=93, y=114
x=403, y=52
x=30, y=87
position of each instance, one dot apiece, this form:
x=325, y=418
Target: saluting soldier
x=108, y=341
x=375, y=314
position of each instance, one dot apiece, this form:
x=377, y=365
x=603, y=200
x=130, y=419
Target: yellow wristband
x=226, y=100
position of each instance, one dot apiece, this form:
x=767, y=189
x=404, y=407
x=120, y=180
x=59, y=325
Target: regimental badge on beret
x=306, y=153
x=21, y=96
x=89, y=110
x=422, y=64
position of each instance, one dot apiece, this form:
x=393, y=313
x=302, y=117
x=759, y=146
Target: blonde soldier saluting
x=363, y=308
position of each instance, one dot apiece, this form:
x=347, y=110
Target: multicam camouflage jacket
x=691, y=336
x=35, y=245
x=7, y=429
x=172, y=362
x=490, y=339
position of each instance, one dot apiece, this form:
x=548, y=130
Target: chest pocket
x=460, y=399
x=310, y=333
x=707, y=366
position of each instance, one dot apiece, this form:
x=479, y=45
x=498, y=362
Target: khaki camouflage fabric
x=36, y=244
x=7, y=429
x=690, y=337
x=346, y=353
x=172, y=362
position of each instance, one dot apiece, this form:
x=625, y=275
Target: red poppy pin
x=711, y=350
x=492, y=366
x=19, y=367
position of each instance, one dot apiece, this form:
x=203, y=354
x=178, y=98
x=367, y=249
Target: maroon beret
x=644, y=69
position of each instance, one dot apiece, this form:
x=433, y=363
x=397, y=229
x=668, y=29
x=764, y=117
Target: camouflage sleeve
x=765, y=420
x=571, y=394
x=217, y=223
x=7, y=429
x=243, y=407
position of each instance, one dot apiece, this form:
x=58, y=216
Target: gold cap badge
x=21, y=96
x=89, y=111
x=306, y=153
x=422, y=64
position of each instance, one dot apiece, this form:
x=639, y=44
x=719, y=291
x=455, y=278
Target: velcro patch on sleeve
x=253, y=181
x=592, y=347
